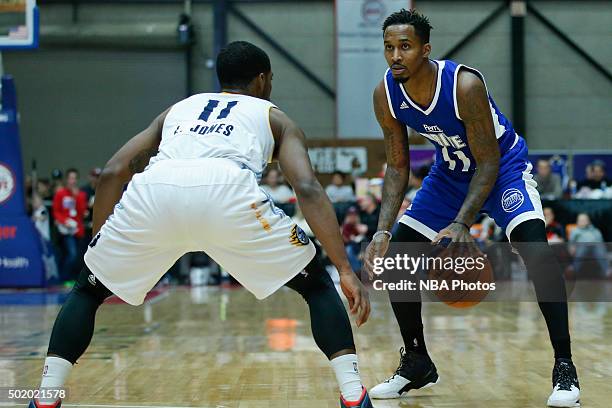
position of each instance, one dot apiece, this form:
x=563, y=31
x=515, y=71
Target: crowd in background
x=61, y=208
x=595, y=184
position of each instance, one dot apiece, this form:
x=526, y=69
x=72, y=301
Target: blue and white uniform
x=200, y=193
x=514, y=197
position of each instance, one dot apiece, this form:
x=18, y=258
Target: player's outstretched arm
x=318, y=211
x=475, y=112
x=132, y=158
x=396, y=175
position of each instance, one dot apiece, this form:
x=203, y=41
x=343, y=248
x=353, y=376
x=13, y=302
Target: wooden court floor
x=210, y=347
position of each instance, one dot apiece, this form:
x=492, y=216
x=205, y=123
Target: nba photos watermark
x=464, y=274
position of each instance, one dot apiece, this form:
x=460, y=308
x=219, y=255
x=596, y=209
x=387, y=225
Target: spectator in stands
x=57, y=180
x=352, y=228
x=43, y=189
x=416, y=181
x=42, y=222
x=90, y=193
x=549, y=183
x=40, y=216
x=274, y=187
x=353, y=233
x=337, y=191
x=554, y=230
x=370, y=210
x=69, y=210
x=596, y=184
x=589, y=247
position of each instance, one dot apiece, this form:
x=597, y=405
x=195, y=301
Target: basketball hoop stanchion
x=21, y=262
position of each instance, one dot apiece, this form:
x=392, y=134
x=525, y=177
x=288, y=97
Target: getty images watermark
x=493, y=271
x=440, y=276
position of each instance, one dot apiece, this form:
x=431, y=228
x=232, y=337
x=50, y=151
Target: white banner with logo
x=360, y=63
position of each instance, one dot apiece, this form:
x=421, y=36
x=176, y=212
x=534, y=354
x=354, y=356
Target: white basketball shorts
x=211, y=205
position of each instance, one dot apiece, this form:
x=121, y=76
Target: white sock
x=54, y=375
x=347, y=374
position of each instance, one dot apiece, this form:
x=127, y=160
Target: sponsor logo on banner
x=8, y=232
x=15, y=263
x=512, y=199
x=7, y=183
x=373, y=11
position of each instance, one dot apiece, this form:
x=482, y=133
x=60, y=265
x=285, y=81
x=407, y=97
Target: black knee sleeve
x=73, y=328
x=542, y=265
x=330, y=324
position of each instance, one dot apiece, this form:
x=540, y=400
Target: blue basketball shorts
x=513, y=200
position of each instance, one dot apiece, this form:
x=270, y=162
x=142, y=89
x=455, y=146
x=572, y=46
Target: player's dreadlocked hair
x=411, y=17
x=239, y=62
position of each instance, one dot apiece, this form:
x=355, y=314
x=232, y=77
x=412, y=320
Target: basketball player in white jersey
x=200, y=192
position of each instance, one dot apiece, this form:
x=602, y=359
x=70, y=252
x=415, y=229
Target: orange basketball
x=460, y=276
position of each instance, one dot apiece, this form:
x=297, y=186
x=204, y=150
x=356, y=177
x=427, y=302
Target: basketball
x=458, y=280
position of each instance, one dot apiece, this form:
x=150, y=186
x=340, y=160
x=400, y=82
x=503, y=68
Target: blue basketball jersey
x=441, y=124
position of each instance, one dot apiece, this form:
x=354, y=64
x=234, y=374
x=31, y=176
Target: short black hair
x=239, y=62
x=410, y=17
x=72, y=170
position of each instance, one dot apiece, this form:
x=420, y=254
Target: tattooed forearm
x=394, y=189
x=480, y=187
x=141, y=160
x=398, y=161
x=476, y=114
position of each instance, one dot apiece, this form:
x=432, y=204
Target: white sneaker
x=566, y=389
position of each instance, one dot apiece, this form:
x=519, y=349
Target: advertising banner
x=20, y=245
x=360, y=62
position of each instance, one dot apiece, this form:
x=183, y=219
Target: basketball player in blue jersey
x=481, y=166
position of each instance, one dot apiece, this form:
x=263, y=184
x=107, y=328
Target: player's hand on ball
x=456, y=232
x=459, y=234
x=376, y=249
x=356, y=294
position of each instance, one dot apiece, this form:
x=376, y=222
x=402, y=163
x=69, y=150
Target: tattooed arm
x=398, y=160
x=475, y=112
x=396, y=175
x=132, y=158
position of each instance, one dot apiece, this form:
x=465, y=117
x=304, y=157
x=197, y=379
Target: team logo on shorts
x=298, y=236
x=512, y=199
x=92, y=279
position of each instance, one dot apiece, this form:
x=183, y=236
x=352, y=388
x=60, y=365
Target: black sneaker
x=415, y=371
x=566, y=389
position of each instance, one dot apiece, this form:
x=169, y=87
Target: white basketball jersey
x=219, y=125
